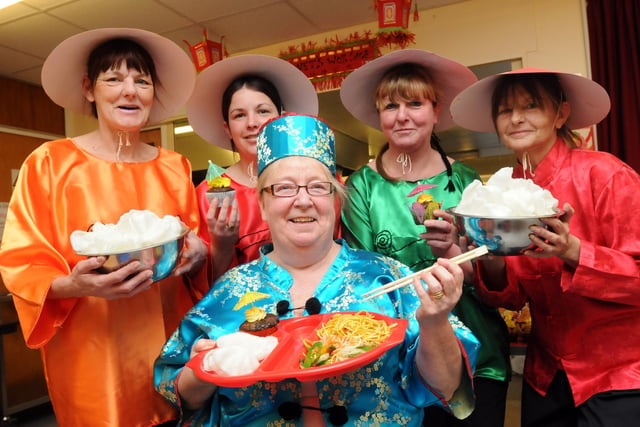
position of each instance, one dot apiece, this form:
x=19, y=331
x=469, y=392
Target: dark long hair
x=112, y=53
x=253, y=82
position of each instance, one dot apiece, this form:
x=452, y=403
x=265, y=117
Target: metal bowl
x=161, y=257
x=502, y=236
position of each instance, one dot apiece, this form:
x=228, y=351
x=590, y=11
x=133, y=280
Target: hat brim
x=589, y=101
x=204, y=108
x=66, y=66
x=449, y=78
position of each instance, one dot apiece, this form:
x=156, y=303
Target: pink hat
x=204, y=108
x=589, y=101
x=66, y=65
x=449, y=78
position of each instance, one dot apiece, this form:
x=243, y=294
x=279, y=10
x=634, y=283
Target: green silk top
x=377, y=217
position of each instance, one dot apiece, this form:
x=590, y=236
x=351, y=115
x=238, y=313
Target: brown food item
x=263, y=327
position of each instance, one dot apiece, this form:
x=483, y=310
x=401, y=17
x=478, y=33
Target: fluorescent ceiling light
x=179, y=130
x=6, y=3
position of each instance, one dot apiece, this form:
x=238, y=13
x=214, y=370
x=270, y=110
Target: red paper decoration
x=328, y=66
x=393, y=23
x=206, y=52
x=393, y=14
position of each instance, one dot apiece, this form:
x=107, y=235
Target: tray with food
x=306, y=348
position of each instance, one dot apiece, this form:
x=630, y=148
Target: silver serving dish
x=162, y=257
x=502, y=236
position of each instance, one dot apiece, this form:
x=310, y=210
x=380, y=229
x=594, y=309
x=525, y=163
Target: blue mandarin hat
x=296, y=135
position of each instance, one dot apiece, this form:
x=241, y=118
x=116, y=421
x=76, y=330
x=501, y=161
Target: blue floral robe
x=388, y=391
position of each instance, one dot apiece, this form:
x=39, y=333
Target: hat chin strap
x=405, y=160
x=527, y=165
x=127, y=143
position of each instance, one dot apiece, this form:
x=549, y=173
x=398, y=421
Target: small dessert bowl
x=220, y=195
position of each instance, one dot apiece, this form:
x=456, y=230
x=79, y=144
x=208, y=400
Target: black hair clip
x=312, y=306
x=293, y=410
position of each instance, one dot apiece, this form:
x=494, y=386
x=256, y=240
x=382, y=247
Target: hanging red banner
x=326, y=68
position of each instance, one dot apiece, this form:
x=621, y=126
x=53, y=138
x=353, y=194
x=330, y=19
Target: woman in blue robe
x=432, y=366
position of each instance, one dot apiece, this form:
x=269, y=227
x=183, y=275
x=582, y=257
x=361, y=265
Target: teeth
x=303, y=220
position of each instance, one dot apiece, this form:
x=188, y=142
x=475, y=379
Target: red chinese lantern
x=206, y=52
x=393, y=23
x=393, y=13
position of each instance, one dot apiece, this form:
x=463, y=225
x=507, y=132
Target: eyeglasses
x=287, y=189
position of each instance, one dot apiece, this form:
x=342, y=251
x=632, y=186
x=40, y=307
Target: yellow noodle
x=356, y=329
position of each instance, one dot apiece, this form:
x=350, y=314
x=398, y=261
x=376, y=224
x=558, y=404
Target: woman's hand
x=443, y=291
x=193, y=256
x=223, y=222
x=556, y=240
x=84, y=280
x=441, y=235
x=194, y=391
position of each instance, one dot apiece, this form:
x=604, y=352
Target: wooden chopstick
x=397, y=284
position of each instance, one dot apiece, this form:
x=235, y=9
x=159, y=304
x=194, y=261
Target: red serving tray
x=284, y=360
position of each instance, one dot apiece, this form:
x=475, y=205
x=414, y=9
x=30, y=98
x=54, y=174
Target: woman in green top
x=407, y=94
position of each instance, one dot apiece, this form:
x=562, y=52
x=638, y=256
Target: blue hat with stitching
x=296, y=135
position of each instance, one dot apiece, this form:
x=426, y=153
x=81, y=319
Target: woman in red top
x=232, y=99
x=582, y=281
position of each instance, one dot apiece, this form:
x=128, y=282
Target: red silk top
x=585, y=320
x=98, y=354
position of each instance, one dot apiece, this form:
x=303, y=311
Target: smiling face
x=407, y=107
x=248, y=110
x=528, y=124
x=123, y=97
x=408, y=124
x=301, y=220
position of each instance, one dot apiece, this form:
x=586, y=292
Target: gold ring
x=437, y=295
x=228, y=227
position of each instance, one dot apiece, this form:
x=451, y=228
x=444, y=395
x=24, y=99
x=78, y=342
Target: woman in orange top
x=100, y=333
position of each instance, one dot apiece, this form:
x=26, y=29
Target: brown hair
x=539, y=87
x=408, y=82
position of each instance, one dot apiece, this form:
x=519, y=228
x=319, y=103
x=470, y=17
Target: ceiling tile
x=16, y=61
x=16, y=11
x=258, y=27
x=144, y=14
x=200, y=11
x=22, y=36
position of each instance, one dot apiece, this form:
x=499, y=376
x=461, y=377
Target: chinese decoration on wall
x=328, y=65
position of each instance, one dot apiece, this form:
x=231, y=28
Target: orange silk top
x=98, y=354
